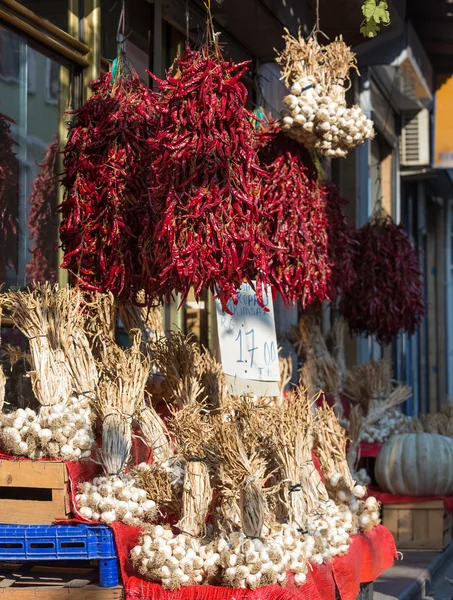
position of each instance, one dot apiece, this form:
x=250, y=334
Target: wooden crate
x=419, y=525
x=29, y=581
x=33, y=492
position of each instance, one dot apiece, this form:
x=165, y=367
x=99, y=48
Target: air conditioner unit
x=415, y=139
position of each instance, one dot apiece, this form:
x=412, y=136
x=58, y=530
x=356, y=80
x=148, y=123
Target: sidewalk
x=417, y=576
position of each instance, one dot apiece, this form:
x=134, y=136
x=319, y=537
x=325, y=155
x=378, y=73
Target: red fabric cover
x=387, y=498
x=319, y=584
x=369, y=555
x=370, y=450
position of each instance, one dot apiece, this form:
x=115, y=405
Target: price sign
x=248, y=344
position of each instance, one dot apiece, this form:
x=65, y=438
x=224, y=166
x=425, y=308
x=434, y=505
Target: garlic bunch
x=64, y=431
x=331, y=529
x=342, y=492
x=368, y=514
x=252, y=563
x=114, y=498
x=319, y=122
x=174, y=560
x=391, y=423
x=362, y=478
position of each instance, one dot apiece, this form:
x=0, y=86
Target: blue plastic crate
x=62, y=542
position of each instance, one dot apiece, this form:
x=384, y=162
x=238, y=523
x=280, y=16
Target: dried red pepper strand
x=342, y=243
x=42, y=220
x=104, y=210
x=9, y=197
x=293, y=218
x=207, y=182
x=387, y=295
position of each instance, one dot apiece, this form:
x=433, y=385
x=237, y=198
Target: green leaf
x=375, y=14
x=381, y=14
x=368, y=8
x=369, y=28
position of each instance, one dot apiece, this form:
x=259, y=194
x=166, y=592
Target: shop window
x=52, y=81
x=10, y=60
x=29, y=123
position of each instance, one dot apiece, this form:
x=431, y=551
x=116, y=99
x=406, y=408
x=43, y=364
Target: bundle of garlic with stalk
x=115, y=498
x=371, y=388
x=177, y=358
x=316, y=113
x=121, y=387
x=174, y=560
x=163, y=482
x=320, y=371
x=290, y=428
x=63, y=375
x=391, y=423
x=281, y=547
x=179, y=560
x=331, y=449
x=66, y=432
x=41, y=315
x=147, y=319
x=249, y=558
x=154, y=431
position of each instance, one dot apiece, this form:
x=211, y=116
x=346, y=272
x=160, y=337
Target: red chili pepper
x=207, y=182
x=293, y=219
x=9, y=197
x=107, y=178
x=387, y=295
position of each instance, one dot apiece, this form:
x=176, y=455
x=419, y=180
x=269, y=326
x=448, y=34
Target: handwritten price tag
x=248, y=344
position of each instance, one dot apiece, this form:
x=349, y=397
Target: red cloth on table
x=370, y=450
x=319, y=585
x=387, y=498
x=369, y=555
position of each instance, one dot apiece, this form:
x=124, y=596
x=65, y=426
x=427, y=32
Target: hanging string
x=120, y=40
x=316, y=29
x=212, y=36
x=187, y=21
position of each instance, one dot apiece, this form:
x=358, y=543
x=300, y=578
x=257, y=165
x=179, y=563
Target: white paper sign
x=248, y=343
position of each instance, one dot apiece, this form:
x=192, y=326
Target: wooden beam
x=53, y=30
x=43, y=38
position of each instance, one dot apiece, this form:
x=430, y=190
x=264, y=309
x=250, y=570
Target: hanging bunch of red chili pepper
x=42, y=220
x=107, y=212
x=387, y=296
x=206, y=181
x=294, y=218
x=342, y=243
x=9, y=196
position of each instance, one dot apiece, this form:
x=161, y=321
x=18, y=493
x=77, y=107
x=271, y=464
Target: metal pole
x=363, y=198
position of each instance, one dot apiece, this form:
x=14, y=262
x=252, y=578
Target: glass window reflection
x=29, y=121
